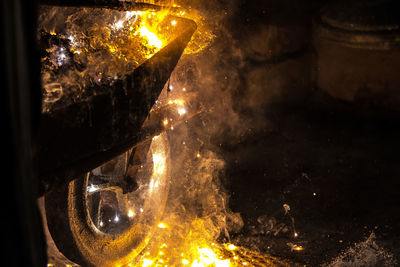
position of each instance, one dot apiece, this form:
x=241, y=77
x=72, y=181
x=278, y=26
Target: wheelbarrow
x=104, y=162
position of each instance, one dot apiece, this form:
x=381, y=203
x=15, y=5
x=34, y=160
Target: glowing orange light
x=131, y=213
x=179, y=102
x=209, y=258
x=151, y=37
x=297, y=248
x=162, y=225
x=147, y=262
x=231, y=247
x=119, y=24
x=159, y=163
x=181, y=111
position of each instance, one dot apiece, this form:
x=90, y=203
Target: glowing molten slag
x=199, y=254
x=204, y=257
x=151, y=37
x=209, y=258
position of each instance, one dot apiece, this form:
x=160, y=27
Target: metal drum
x=358, y=55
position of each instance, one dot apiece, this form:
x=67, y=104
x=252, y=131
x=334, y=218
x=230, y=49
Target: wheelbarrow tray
x=81, y=136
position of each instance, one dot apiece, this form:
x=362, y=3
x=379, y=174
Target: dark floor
x=336, y=167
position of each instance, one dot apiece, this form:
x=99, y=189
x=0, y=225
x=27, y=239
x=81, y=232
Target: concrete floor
x=335, y=165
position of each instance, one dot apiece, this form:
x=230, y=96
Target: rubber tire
x=79, y=241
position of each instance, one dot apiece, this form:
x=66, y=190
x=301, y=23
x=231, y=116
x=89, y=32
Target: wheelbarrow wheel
x=107, y=216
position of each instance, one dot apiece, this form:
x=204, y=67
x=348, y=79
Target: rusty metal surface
x=81, y=136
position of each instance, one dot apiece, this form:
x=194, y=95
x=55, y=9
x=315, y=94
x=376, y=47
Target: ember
x=86, y=51
x=213, y=255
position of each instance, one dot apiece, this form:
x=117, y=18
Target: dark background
x=335, y=163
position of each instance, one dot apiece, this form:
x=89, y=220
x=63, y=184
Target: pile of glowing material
x=133, y=38
x=85, y=52
x=101, y=46
x=207, y=255
x=204, y=35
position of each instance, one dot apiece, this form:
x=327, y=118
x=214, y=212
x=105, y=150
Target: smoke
x=215, y=72
x=364, y=253
x=197, y=212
